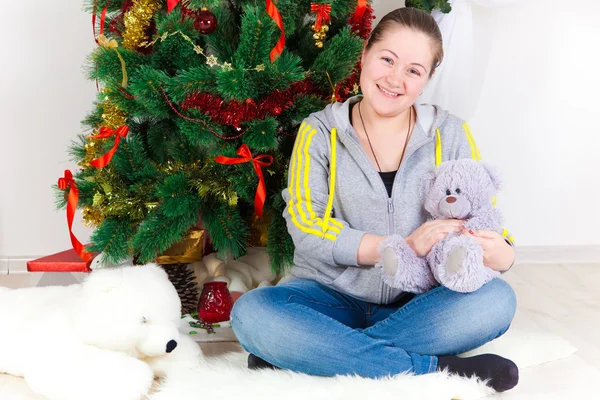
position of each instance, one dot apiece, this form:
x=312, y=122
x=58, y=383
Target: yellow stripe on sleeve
x=331, y=180
x=295, y=169
x=305, y=156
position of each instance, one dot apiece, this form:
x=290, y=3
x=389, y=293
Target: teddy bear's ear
x=426, y=184
x=494, y=176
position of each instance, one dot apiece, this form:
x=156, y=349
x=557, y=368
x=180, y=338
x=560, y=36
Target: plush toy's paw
x=187, y=354
x=456, y=259
x=457, y=263
x=389, y=261
x=86, y=372
x=402, y=268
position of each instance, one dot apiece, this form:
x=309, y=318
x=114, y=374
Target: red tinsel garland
x=233, y=113
x=363, y=25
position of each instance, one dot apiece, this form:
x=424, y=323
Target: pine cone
x=184, y=280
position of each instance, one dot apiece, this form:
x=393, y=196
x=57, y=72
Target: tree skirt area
x=227, y=376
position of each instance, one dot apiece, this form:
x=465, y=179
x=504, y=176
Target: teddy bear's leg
x=402, y=268
x=456, y=258
x=78, y=372
x=187, y=354
x=457, y=263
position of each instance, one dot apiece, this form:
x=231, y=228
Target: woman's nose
x=395, y=78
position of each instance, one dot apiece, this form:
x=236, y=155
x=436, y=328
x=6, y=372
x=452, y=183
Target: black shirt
x=386, y=177
x=388, y=180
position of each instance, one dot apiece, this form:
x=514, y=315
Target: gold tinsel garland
x=92, y=216
x=137, y=20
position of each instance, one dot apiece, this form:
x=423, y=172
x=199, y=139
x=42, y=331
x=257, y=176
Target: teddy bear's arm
x=487, y=219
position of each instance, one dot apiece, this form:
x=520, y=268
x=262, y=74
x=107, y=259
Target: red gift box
x=65, y=261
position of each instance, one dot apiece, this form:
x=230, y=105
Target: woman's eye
x=416, y=72
x=387, y=60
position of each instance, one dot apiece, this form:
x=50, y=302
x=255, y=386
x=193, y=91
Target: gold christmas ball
x=314, y=27
x=325, y=28
x=316, y=36
x=319, y=44
x=322, y=36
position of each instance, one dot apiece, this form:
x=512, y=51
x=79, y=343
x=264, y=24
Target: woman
x=353, y=181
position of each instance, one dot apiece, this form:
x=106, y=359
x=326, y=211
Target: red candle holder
x=215, y=303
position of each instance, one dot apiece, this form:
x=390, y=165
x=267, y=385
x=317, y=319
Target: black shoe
x=255, y=362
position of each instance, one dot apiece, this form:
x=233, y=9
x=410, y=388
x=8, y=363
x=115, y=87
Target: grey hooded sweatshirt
x=335, y=195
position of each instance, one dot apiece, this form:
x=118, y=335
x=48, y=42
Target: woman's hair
x=416, y=20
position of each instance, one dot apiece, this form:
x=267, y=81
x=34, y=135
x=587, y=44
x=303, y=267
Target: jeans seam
x=411, y=303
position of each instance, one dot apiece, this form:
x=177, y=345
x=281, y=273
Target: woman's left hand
x=497, y=253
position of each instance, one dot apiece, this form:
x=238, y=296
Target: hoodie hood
x=429, y=117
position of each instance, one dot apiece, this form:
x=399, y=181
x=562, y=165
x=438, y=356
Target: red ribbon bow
x=105, y=132
x=171, y=4
x=246, y=156
x=323, y=11
x=274, y=14
x=67, y=182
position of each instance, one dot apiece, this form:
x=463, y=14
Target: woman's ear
x=363, y=52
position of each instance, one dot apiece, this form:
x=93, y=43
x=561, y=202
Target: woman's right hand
x=427, y=235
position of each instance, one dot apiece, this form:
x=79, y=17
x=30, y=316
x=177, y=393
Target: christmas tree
x=198, y=105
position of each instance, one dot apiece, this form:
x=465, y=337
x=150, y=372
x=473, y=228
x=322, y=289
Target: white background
x=536, y=120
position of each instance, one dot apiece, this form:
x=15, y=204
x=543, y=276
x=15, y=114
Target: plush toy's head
x=135, y=310
x=459, y=188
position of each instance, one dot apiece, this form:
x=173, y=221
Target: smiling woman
x=353, y=183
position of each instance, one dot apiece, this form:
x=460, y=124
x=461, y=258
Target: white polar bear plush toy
x=107, y=338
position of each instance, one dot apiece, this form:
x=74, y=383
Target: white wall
x=44, y=96
x=535, y=119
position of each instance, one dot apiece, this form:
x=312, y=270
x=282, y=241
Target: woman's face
x=395, y=70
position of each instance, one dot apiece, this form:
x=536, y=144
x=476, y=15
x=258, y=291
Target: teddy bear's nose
x=171, y=346
x=451, y=199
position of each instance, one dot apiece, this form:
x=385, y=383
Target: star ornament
x=212, y=61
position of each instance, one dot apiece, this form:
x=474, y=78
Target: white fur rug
x=227, y=376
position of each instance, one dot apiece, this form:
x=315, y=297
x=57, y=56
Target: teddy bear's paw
x=389, y=261
x=402, y=269
x=456, y=259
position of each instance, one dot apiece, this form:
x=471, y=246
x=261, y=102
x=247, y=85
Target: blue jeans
x=307, y=327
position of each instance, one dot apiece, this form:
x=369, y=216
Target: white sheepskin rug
x=227, y=376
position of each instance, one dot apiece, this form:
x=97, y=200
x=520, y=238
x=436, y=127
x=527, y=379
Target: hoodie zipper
x=390, y=216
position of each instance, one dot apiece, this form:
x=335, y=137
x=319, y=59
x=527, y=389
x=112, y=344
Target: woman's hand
x=431, y=232
x=497, y=253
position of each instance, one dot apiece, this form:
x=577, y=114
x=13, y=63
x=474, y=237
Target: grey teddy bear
x=461, y=189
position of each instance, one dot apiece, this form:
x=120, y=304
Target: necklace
x=369, y=140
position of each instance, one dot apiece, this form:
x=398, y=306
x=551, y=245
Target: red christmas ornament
x=215, y=303
x=206, y=22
